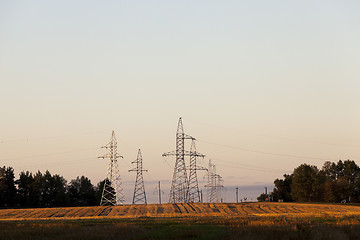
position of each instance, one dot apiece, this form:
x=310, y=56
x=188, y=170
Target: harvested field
x=266, y=221
x=222, y=210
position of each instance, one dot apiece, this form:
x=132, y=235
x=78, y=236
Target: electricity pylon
x=214, y=183
x=179, y=185
x=139, y=191
x=112, y=191
x=219, y=187
x=193, y=189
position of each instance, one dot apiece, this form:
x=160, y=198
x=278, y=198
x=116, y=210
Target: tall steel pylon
x=193, y=189
x=214, y=183
x=139, y=191
x=179, y=185
x=112, y=191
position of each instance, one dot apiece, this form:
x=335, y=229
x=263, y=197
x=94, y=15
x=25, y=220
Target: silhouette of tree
x=303, y=188
x=7, y=187
x=282, y=190
x=25, y=189
x=81, y=192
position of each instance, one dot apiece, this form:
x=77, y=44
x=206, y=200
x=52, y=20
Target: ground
x=185, y=221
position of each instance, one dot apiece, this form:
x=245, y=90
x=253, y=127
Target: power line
x=49, y=154
x=62, y=163
x=264, y=152
x=278, y=137
x=31, y=139
x=247, y=166
x=252, y=169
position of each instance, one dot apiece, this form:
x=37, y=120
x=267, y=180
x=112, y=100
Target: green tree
x=282, y=189
x=81, y=192
x=25, y=189
x=37, y=190
x=99, y=190
x=305, y=184
x=342, y=181
x=53, y=190
x=263, y=197
x=58, y=191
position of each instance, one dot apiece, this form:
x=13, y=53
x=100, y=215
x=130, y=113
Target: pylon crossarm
x=188, y=137
x=197, y=168
x=109, y=155
x=196, y=154
x=134, y=170
x=106, y=146
x=173, y=153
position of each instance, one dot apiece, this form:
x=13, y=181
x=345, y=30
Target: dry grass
x=250, y=227
x=222, y=210
x=185, y=221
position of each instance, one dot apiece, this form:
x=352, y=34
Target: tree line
x=46, y=190
x=334, y=182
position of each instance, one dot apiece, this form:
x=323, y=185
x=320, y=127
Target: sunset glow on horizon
x=263, y=87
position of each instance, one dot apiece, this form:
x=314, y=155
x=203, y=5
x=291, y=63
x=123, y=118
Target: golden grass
x=223, y=210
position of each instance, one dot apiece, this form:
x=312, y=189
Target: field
x=185, y=221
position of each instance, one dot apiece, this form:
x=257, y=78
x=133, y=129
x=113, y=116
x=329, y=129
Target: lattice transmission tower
x=112, y=191
x=179, y=185
x=193, y=189
x=139, y=191
x=214, y=184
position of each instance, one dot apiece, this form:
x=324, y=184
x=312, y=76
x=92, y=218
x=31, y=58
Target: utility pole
x=139, y=191
x=159, y=193
x=267, y=199
x=179, y=185
x=193, y=189
x=112, y=191
x=237, y=195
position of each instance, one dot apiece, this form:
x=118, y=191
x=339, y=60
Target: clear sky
x=263, y=85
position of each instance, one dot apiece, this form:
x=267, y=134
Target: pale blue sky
x=266, y=76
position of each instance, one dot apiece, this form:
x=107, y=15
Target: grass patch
x=261, y=228
x=109, y=229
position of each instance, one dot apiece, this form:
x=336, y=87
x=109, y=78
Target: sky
x=263, y=86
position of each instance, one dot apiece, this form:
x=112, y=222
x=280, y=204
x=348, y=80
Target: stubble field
x=185, y=221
